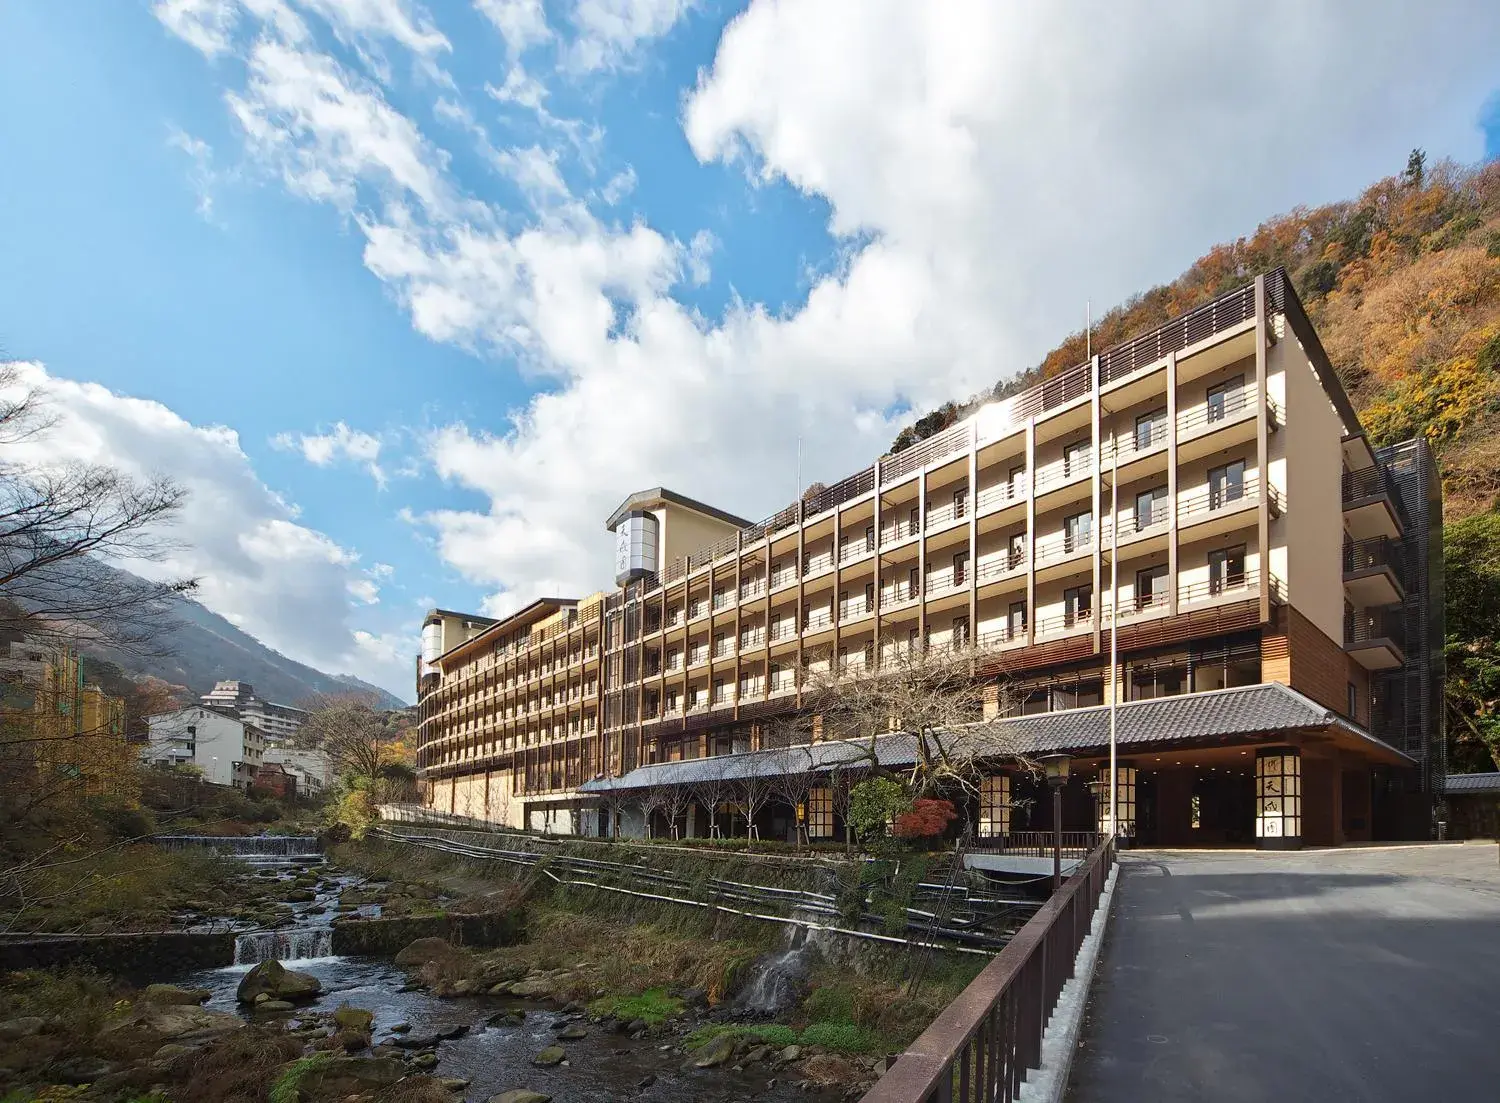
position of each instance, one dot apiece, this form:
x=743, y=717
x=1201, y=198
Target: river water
x=601, y=1067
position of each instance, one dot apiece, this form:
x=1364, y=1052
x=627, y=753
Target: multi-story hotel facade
x=1204, y=491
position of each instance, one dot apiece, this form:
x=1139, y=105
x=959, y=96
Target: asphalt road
x=1363, y=974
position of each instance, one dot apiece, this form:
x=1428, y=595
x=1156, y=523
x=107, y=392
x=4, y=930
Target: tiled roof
x=1269, y=707
x=1472, y=783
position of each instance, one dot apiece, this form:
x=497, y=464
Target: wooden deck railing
x=979, y=1049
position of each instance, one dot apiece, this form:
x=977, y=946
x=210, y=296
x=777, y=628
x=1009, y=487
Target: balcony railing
x=1210, y=499
x=752, y=638
x=897, y=531
x=783, y=629
x=856, y=549
x=1001, y=563
x=818, y=618
x=947, y=512
x=753, y=590
x=855, y=608
x=1367, y=482
x=1065, y=470
x=947, y=580
x=998, y=495
x=1369, y=625
x=723, y=649
x=899, y=594
x=783, y=576
x=1006, y=633
x=1073, y=620
x=1133, y=521
x=1143, y=438
x=1054, y=548
x=697, y=609
x=817, y=564
x=1373, y=554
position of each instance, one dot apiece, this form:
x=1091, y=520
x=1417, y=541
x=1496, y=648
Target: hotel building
x=1203, y=491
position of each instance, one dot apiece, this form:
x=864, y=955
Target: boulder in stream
x=520, y=1095
x=354, y=1018
x=171, y=994
x=277, y=981
x=552, y=1055
x=423, y=950
x=342, y=1076
x=717, y=1052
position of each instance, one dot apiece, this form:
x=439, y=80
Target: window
x=1226, y=484
x=1076, y=458
x=914, y=521
x=1016, y=618
x=994, y=805
x=1151, y=587
x=1149, y=428
x=1078, y=604
x=1225, y=398
x=869, y=538
x=960, y=501
x=1150, y=508
x=961, y=633
x=819, y=814
x=1077, y=531
x=1017, y=480
x=1353, y=712
x=869, y=597
x=960, y=568
x=1226, y=569
x=913, y=584
x=1016, y=550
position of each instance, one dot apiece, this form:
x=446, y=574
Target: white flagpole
x=1114, y=627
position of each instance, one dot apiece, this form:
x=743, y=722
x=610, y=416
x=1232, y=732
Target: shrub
x=875, y=802
x=926, y=819
x=652, y=1006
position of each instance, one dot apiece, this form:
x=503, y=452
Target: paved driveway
x=1364, y=974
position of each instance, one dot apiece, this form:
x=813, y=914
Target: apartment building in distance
x=1204, y=492
x=277, y=722
x=224, y=748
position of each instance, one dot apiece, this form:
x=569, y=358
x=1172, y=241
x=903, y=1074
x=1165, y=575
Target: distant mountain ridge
x=207, y=648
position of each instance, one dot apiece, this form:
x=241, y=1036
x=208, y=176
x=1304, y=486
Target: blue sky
x=411, y=294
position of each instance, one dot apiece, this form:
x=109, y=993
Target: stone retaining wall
x=138, y=958
x=385, y=937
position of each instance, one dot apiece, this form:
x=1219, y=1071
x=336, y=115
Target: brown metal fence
x=983, y=1043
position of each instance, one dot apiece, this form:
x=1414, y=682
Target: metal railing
x=1223, y=313
x=1036, y=844
x=919, y=456
x=1139, y=440
x=816, y=564
x=982, y=1045
x=1373, y=554
x=949, y=578
x=856, y=548
x=1370, y=625
x=817, y=618
x=899, y=530
x=1061, y=471
x=1060, y=547
x=1367, y=482
x=1064, y=622
x=998, y=495
x=1001, y=563
x=949, y=511
x=1210, y=499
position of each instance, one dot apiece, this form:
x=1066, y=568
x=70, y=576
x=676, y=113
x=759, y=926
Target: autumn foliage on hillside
x=1403, y=286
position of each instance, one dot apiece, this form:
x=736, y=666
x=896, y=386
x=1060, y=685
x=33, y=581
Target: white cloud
x=206, y=25
x=611, y=32
x=619, y=187
x=202, y=175
x=988, y=168
x=364, y=590
x=522, y=23
x=700, y=249
x=402, y=22
x=290, y=586
x=338, y=443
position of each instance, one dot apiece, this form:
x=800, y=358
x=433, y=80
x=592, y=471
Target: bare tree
x=348, y=728
x=933, y=695
x=674, y=804
x=711, y=792
x=792, y=778
x=650, y=800
x=755, y=790
x=63, y=524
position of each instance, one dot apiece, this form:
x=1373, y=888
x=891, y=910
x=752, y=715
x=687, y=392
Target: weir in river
x=248, y=846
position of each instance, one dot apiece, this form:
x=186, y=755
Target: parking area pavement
x=1363, y=974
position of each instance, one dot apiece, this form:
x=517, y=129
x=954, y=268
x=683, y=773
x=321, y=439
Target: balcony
x=947, y=581
x=817, y=619
x=947, y=513
x=697, y=610
x=818, y=564
x=1143, y=440
x=1222, y=410
x=1135, y=523
x=1065, y=624
x=899, y=595
x=753, y=590
x=999, y=496
x=784, y=629
x=1204, y=502
x=752, y=639
x=1060, y=473
x=1375, y=638
x=855, y=549
x=723, y=649
x=1370, y=504
x=1001, y=564
x=783, y=577
x=1063, y=546
x=1003, y=636
x=898, y=532
x=1374, y=571
x=855, y=609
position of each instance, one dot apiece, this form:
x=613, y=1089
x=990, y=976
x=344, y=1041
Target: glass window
x=1077, y=530
x=1226, y=569
x=1078, y=603
x=1150, y=428
x=1226, y=484
x=1016, y=618
x=1150, y=508
x=994, y=805
x=1016, y=549
x=1076, y=458
x=1151, y=587
x=1226, y=398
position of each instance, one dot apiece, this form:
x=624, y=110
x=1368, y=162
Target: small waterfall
x=779, y=978
x=283, y=946
x=280, y=846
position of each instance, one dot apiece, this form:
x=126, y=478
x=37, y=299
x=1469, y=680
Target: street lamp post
x=1056, y=766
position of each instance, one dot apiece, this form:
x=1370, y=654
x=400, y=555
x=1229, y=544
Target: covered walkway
x=1353, y=974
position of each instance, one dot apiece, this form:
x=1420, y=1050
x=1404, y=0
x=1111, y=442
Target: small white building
x=227, y=750
x=311, y=768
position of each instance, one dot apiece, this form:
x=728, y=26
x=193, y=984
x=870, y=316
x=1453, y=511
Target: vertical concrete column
x=1030, y=490
x=1172, y=535
x=1262, y=450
